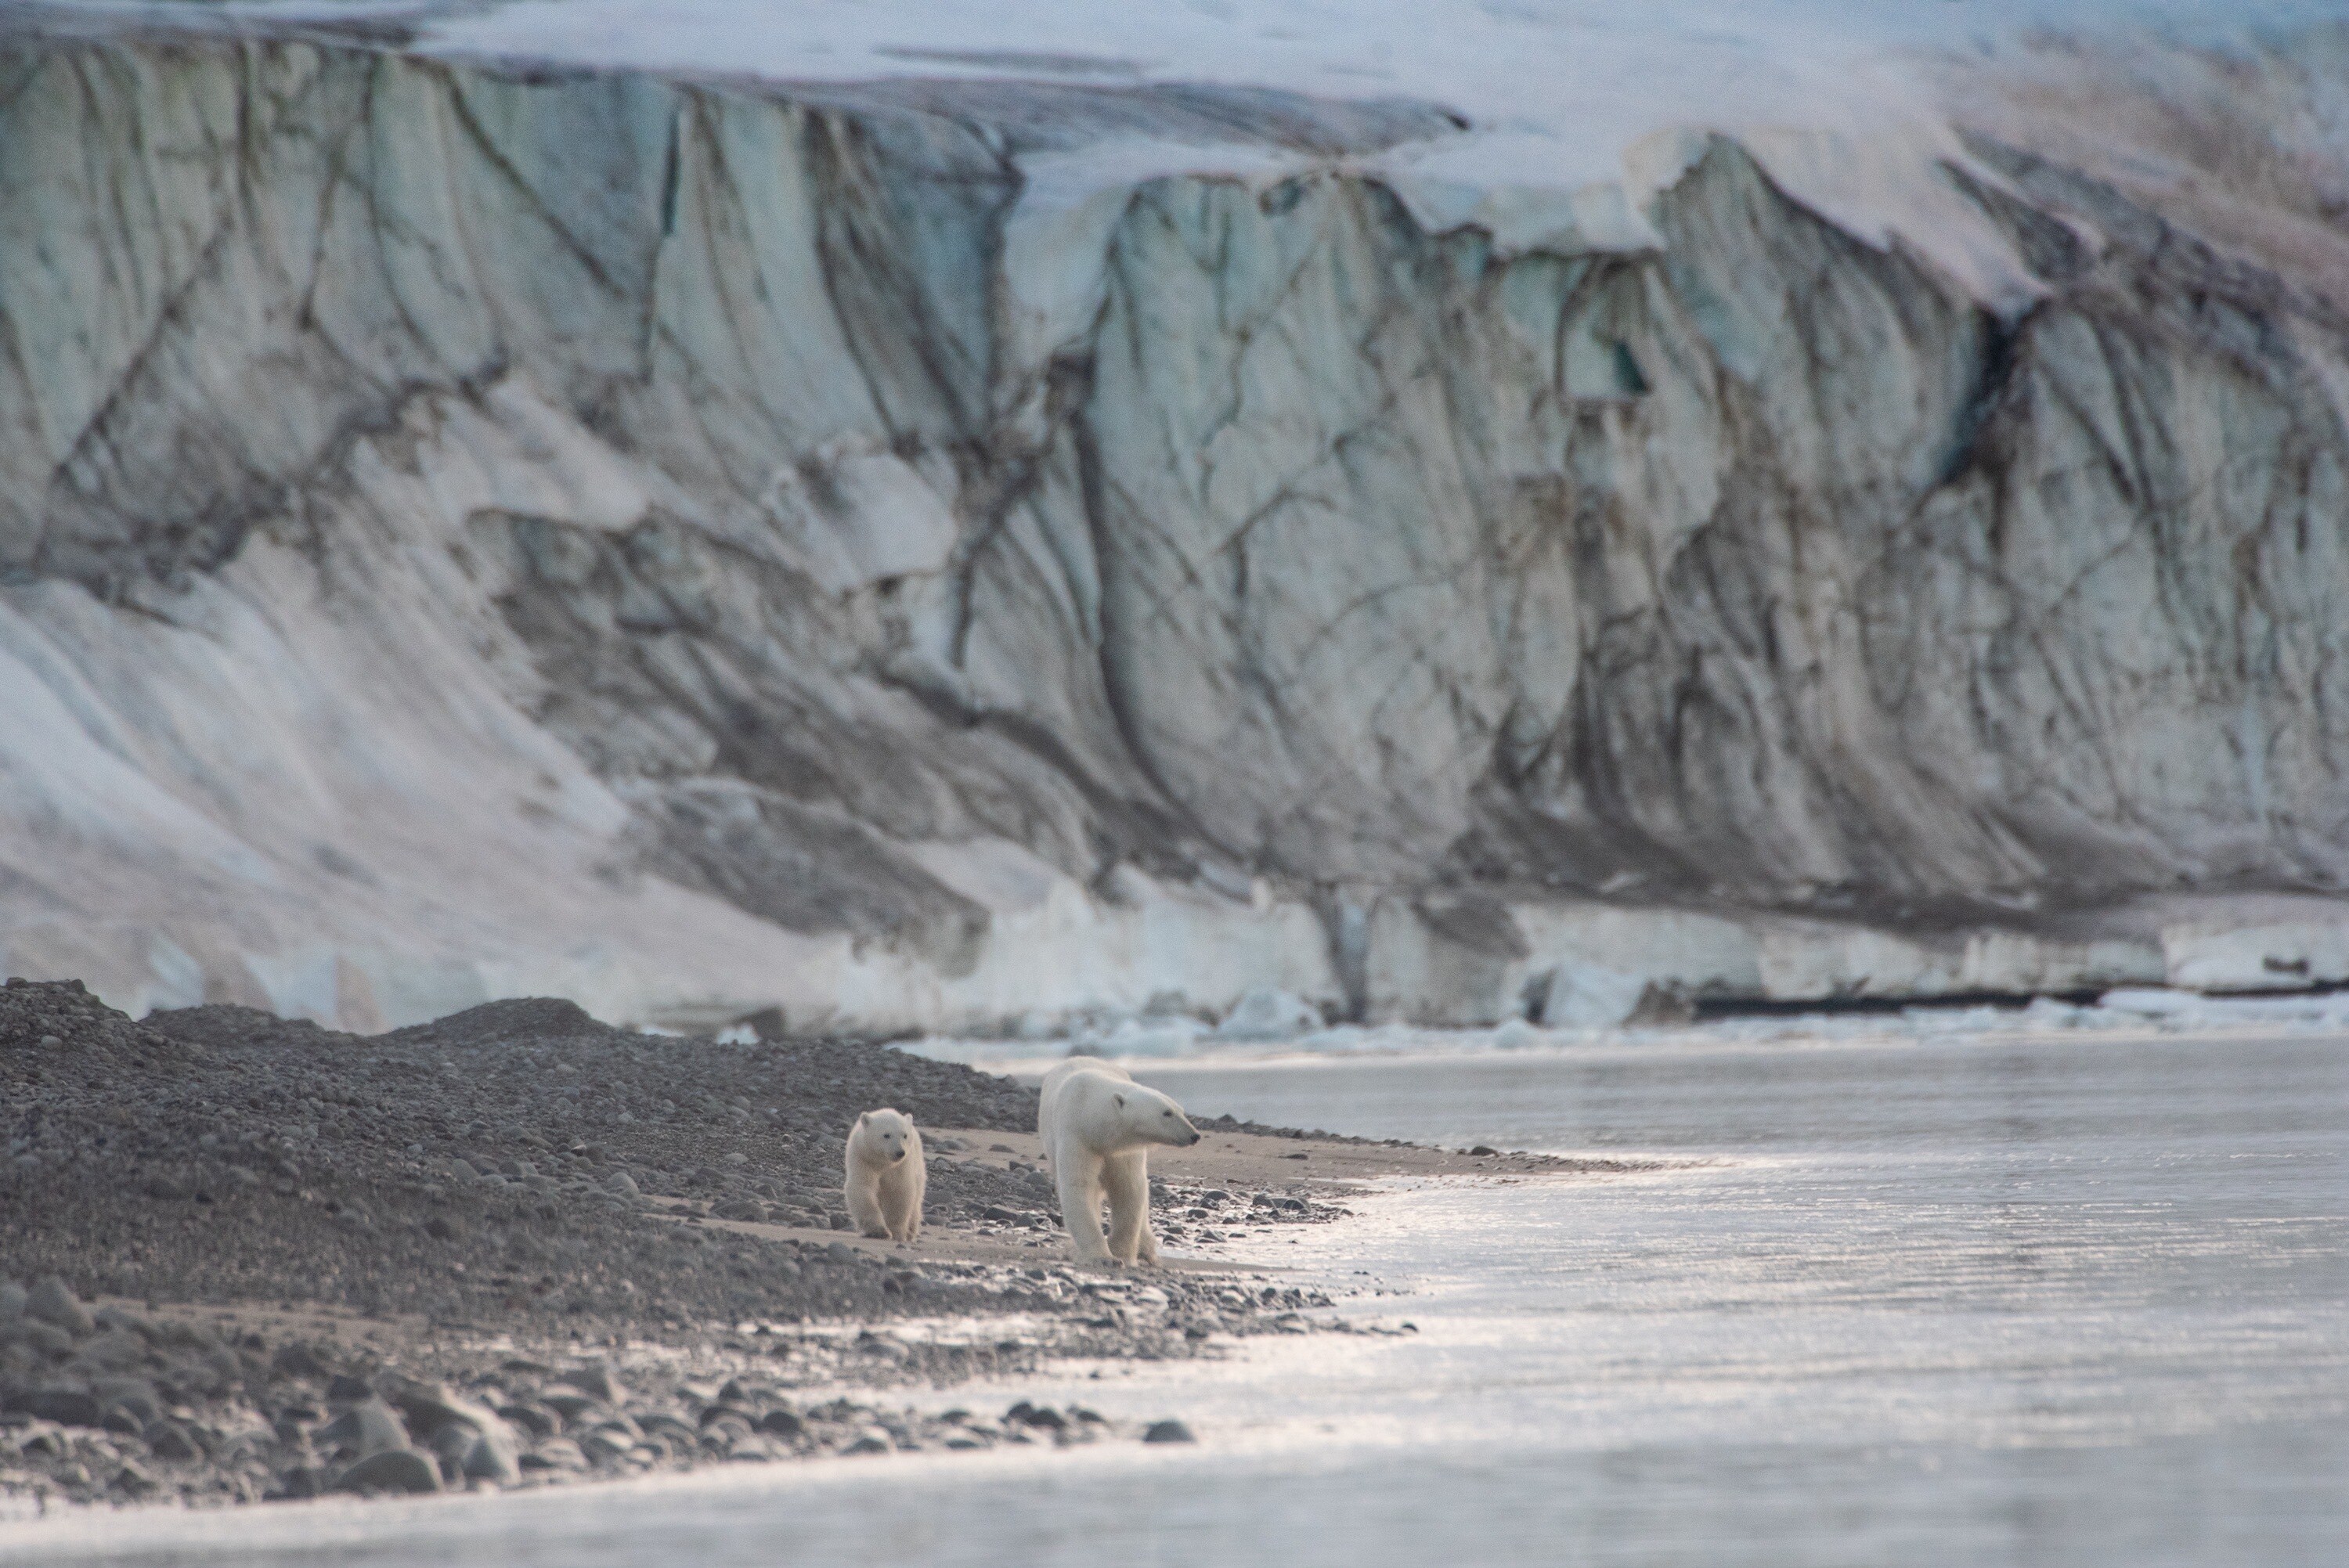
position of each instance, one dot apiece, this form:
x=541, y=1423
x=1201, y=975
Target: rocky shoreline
x=249, y=1259
x=118, y=1405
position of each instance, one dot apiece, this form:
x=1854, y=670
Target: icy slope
x=1440, y=510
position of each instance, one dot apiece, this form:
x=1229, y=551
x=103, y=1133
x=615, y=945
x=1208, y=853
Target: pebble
x=295, y=1359
x=66, y=1407
x=450, y=1445
x=298, y=1484
x=370, y=1426
x=46, y=1337
x=596, y=1381
x=393, y=1469
x=53, y=1302
x=1168, y=1432
x=603, y=1446
x=730, y=1432
x=114, y=1348
x=568, y=1403
x=133, y=1397
x=170, y=1441
x=484, y=1448
x=555, y=1453
x=538, y=1423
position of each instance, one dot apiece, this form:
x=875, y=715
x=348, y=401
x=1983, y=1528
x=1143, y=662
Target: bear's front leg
x=898, y=1206
x=863, y=1197
x=1127, y=1179
x=1078, y=1177
x=909, y=1183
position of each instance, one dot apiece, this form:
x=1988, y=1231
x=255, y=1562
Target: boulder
x=53, y=1302
x=393, y=1471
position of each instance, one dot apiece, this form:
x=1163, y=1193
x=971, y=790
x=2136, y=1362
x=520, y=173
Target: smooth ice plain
x=1963, y=1297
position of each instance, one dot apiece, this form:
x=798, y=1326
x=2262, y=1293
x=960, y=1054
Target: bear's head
x=1153, y=1118
x=883, y=1135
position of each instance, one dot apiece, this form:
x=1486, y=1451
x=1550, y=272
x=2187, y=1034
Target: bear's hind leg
x=1127, y=1177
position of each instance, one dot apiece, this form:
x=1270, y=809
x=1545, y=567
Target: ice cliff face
x=923, y=551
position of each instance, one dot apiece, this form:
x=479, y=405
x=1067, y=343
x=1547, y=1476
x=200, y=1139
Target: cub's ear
x=861, y=1116
x=1120, y=1100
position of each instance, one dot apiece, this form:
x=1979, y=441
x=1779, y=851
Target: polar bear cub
x=1098, y=1125
x=886, y=1176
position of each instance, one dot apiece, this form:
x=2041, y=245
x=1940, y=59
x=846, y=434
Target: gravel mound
x=522, y=1020
x=499, y=1160
x=228, y=1024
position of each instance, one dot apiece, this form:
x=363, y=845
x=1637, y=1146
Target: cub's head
x=1152, y=1117
x=883, y=1135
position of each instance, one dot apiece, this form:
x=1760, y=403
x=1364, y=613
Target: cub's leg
x=1127, y=1177
x=863, y=1192
x=910, y=1182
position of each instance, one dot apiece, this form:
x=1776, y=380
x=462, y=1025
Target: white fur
x=886, y=1176
x=1098, y=1125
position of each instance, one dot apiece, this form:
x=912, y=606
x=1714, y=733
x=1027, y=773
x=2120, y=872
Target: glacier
x=972, y=519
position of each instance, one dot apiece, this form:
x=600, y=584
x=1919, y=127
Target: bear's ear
x=1120, y=1100
x=861, y=1116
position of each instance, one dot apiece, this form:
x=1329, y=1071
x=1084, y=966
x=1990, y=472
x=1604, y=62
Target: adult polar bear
x=1098, y=1125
